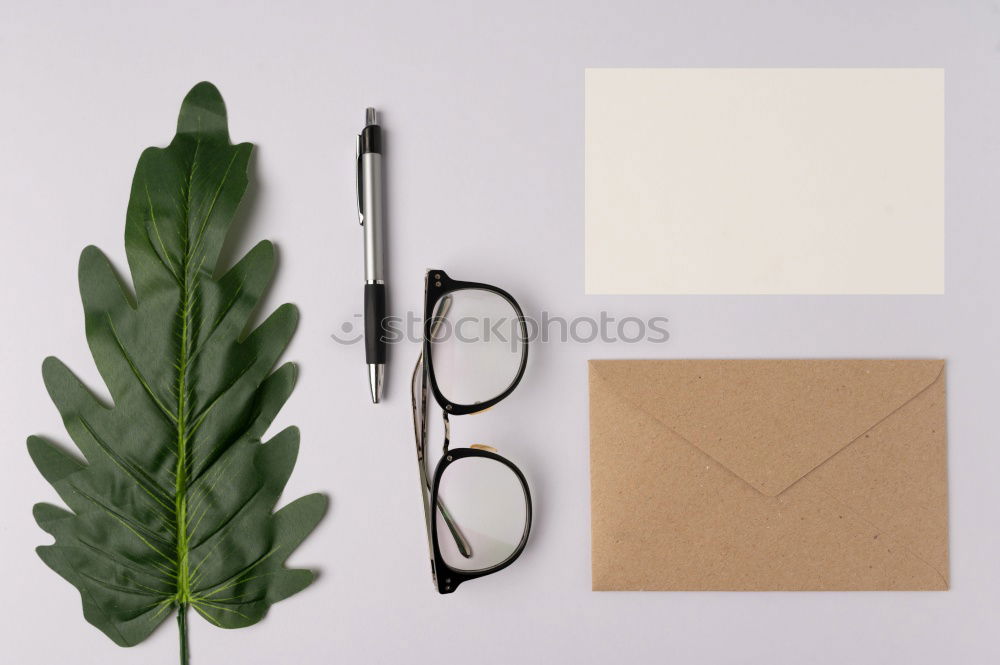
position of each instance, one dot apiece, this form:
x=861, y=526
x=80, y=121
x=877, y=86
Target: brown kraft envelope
x=759, y=475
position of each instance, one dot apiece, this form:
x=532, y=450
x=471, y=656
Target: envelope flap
x=769, y=421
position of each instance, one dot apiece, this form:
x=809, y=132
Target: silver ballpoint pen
x=371, y=214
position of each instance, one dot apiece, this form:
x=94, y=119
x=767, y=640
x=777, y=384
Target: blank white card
x=765, y=181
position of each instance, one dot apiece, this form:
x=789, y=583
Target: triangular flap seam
x=632, y=401
x=866, y=520
x=629, y=403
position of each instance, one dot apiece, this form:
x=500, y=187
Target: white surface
x=86, y=88
x=765, y=181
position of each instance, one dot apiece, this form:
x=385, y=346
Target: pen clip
x=357, y=180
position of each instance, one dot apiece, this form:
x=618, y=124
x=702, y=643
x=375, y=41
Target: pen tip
x=371, y=118
x=376, y=377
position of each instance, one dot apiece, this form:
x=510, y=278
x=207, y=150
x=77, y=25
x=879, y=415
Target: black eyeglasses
x=474, y=353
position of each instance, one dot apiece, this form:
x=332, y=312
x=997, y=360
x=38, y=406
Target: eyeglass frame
x=437, y=285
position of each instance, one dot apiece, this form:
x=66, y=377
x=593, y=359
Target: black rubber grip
x=375, y=323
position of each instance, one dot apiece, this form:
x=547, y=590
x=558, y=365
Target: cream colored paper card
x=765, y=181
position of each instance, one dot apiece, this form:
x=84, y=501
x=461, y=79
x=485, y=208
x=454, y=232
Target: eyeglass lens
x=488, y=504
x=477, y=349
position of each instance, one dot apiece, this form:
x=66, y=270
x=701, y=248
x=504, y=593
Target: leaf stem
x=182, y=625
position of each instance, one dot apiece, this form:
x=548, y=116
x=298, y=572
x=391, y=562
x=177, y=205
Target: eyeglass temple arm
x=460, y=541
x=463, y=544
x=420, y=430
x=464, y=548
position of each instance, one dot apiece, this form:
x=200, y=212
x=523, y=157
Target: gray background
x=483, y=105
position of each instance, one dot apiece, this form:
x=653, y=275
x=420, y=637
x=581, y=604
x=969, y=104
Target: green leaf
x=172, y=504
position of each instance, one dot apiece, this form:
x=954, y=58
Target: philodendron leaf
x=172, y=505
